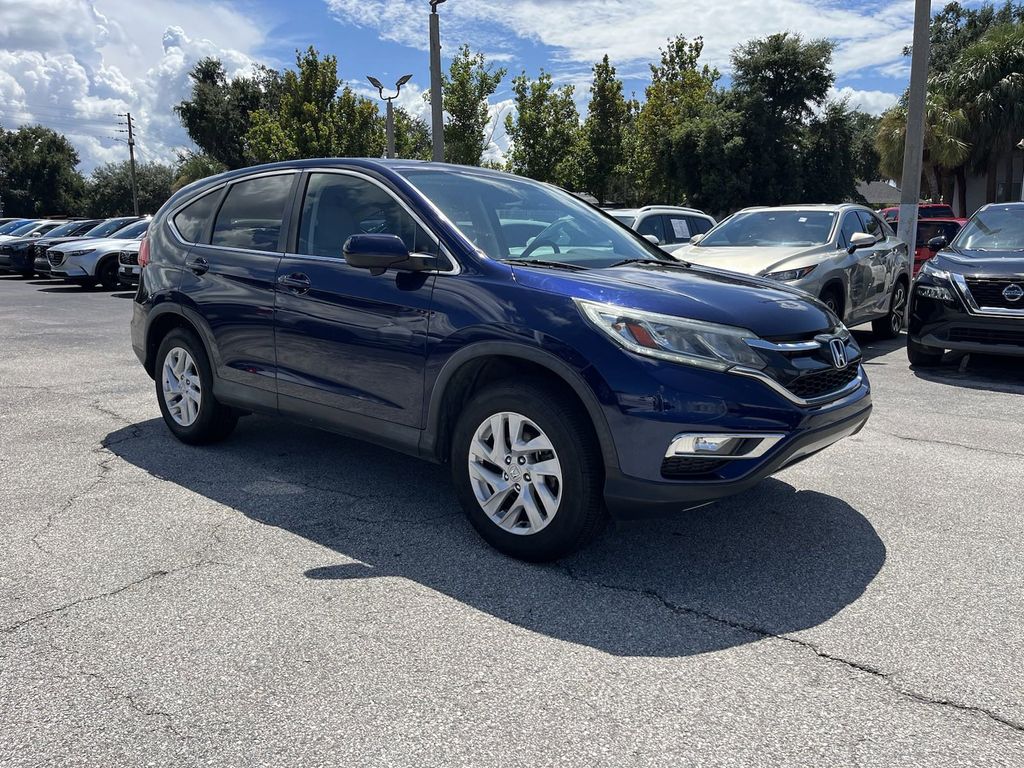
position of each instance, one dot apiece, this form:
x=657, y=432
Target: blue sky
x=76, y=64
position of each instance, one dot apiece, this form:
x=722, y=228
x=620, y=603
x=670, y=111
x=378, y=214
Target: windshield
x=65, y=229
x=935, y=212
x=133, y=231
x=508, y=217
x=109, y=227
x=26, y=229
x=625, y=218
x=11, y=226
x=749, y=229
x=994, y=229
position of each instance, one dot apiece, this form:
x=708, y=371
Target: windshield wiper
x=659, y=262
x=543, y=263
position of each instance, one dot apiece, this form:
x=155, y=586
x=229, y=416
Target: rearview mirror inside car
x=936, y=244
x=861, y=240
x=379, y=253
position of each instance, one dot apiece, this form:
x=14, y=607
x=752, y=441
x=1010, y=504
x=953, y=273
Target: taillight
x=144, y=252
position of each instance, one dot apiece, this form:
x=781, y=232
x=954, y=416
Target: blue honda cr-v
x=559, y=363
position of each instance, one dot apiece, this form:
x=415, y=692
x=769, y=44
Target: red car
x=927, y=230
x=924, y=211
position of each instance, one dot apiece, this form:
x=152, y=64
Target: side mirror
x=861, y=240
x=379, y=253
x=652, y=239
x=696, y=239
x=936, y=244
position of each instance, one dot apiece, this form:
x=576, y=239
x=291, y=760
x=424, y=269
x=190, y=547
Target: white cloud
x=872, y=102
x=582, y=31
x=70, y=65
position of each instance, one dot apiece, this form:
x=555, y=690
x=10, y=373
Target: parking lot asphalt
x=295, y=598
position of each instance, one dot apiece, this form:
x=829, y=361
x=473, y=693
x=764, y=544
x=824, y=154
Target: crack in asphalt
x=949, y=443
x=134, y=704
x=764, y=634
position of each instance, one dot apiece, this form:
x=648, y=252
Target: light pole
x=391, y=110
x=436, y=108
x=1020, y=145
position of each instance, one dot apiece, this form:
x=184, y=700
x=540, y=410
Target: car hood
x=19, y=242
x=754, y=260
x=992, y=263
x=50, y=242
x=99, y=244
x=767, y=308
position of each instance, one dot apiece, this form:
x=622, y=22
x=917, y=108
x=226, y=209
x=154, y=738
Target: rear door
x=351, y=346
x=228, y=282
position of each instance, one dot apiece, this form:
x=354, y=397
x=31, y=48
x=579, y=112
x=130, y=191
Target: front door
x=351, y=346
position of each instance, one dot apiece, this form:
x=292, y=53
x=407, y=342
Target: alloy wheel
x=182, y=387
x=899, y=307
x=515, y=473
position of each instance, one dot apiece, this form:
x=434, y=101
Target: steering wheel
x=544, y=237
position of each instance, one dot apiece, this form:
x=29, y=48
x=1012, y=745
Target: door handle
x=297, y=282
x=199, y=265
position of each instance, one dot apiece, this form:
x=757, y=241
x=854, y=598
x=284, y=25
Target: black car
x=98, y=228
x=970, y=296
x=23, y=254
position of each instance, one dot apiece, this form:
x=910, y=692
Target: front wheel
x=890, y=326
x=527, y=470
x=106, y=274
x=921, y=356
x=184, y=389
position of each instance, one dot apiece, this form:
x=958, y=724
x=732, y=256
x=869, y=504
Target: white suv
x=671, y=227
x=88, y=262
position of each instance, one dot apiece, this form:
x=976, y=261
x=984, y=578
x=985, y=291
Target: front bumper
x=129, y=274
x=945, y=325
x=630, y=497
x=69, y=271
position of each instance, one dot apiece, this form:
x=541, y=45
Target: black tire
x=580, y=512
x=830, y=298
x=891, y=326
x=214, y=421
x=921, y=356
x=106, y=274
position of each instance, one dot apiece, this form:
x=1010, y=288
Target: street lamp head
x=1020, y=144
x=375, y=82
x=406, y=78
x=434, y=4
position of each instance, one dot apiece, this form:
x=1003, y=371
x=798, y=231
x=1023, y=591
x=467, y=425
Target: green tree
x=955, y=28
x=543, y=132
x=109, y=189
x=987, y=80
x=38, y=175
x=601, y=151
x=466, y=88
x=710, y=159
x=193, y=166
x=217, y=117
x=830, y=167
x=314, y=118
x=412, y=136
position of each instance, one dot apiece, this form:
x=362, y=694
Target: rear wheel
x=184, y=390
x=890, y=326
x=527, y=471
x=922, y=356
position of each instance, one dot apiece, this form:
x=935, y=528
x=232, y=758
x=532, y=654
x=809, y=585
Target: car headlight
x=691, y=342
x=789, y=275
x=937, y=292
x=934, y=272
x=83, y=252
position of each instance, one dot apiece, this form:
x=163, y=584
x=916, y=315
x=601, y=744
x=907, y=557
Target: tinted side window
x=679, y=228
x=851, y=226
x=251, y=214
x=699, y=225
x=338, y=206
x=192, y=220
x=871, y=225
x=653, y=225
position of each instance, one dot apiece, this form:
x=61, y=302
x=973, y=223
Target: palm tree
x=988, y=80
x=945, y=141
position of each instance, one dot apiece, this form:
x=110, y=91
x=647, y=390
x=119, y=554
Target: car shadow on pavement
x=771, y=561
x=988, y=372
x=872, y=346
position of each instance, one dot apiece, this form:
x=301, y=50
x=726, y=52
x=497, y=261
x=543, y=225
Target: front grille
x=988, y=292
x=128, y=258
x=676, y=467
x=56, y=258
x=824, y=382
x=987, y=336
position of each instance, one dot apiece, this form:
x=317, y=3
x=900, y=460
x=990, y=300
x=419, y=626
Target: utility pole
x=131, y=159
x=436, y=107
x=913, y=152
x=390, y=153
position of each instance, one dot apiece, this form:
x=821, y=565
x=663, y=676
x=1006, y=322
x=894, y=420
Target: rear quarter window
x=250, y=217
x=192, y=221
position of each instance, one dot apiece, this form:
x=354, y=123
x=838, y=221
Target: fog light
x=936, y=292
x=724, y=446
